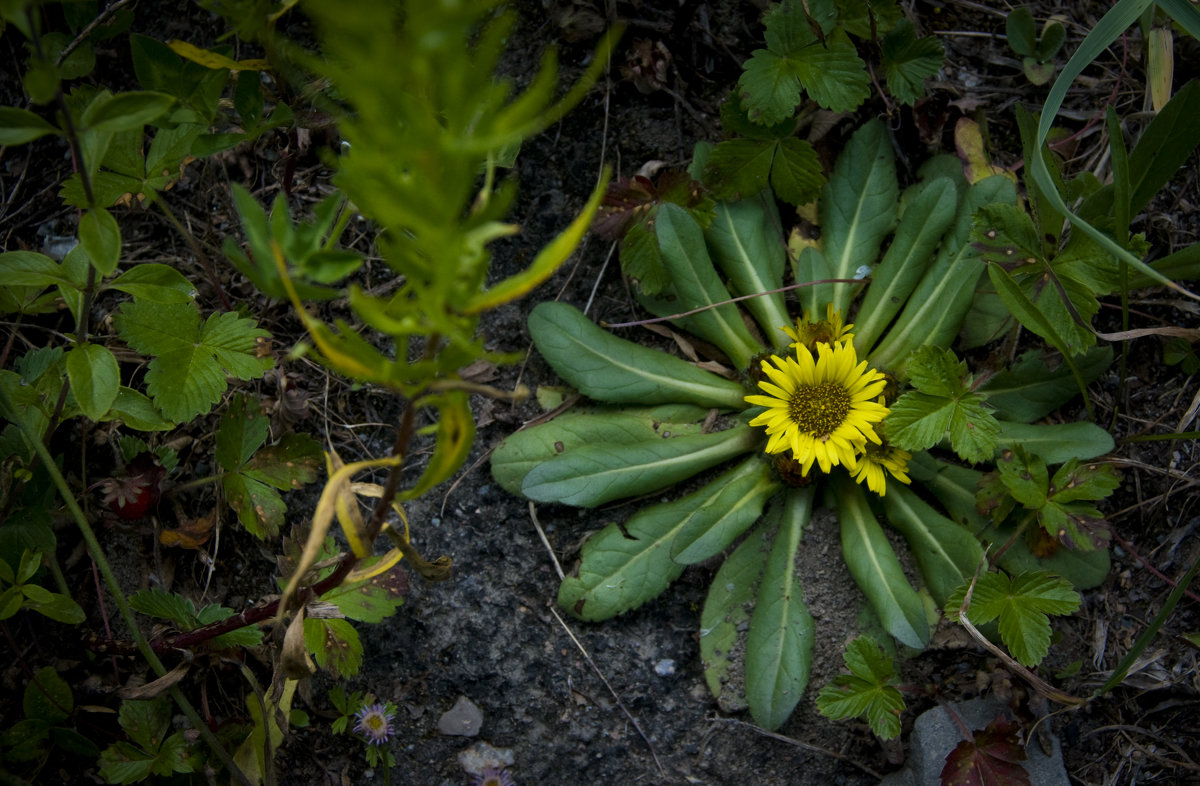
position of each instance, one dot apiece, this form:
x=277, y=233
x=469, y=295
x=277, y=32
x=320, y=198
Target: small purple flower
x=374, y=723
x=492, y=776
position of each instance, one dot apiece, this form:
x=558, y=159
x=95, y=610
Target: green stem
x=114, y=587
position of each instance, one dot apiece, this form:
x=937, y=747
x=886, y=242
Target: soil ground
x=625, y=701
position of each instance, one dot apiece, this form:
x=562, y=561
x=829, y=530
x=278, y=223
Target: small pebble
x=464, y=719
x=665, y=667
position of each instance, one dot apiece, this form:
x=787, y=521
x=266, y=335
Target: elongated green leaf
x=595, y=474
x=101, y=238
x=623, y=567
x=519, y=453
x=608, y=368
x=726, y=614
x=876, y=570
x=1029, y=390
x=858, y=206
x=154, y=282
x=31, y=269
x=780, y=641
x=738, y=504
x=95, y=378
x=1058, y=442
x=947, y=553
x=936, y=309
x=697, y=285
x=128, y=110
x=745, y=242
x=811, y=265
x=927, y=212
x=18, y=126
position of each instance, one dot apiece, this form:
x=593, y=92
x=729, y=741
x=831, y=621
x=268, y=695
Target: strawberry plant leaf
x=834, y=75
x=95, y=378
x=166, y=605
x=191, y=360
x=796, y=174
x=868, y=690
x=1022, y=607
x=241, y=432
x=992, y=757
x=1063, y=503
x=908, y=61
x=943, y=406
x=373, y=599
x=259, y=507
x=770, y=87
x=740, y=168
x=334, y=645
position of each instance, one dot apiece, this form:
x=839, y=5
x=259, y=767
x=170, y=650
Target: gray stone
x=464, y=719
x=935, y=734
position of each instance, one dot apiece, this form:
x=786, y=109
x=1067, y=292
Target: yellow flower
x=877, y=461
x=809, y=333
x=822, y=408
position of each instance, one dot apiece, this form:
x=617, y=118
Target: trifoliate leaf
x=191, y=360
x=942, y=406
x=908, y=61
x=868, y=690
x=991, y=757
x=1021, y=607
x=1063, y=503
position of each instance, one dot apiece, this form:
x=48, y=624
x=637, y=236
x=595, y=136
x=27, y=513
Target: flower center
x=376, y=722
x=819, y=409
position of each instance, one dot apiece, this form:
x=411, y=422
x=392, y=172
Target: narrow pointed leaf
x=520, y=452
x=780, y=641
x=607, y=368
x=876, y=570
x=595, y=474
x=743, y=492
x=745, y=243
x=858, y=207
x=623, y=567
x=926, y=218
x=936, y=308
x=697, y=285
x=946, y=552
x=1058, y=442
x=726, y=614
